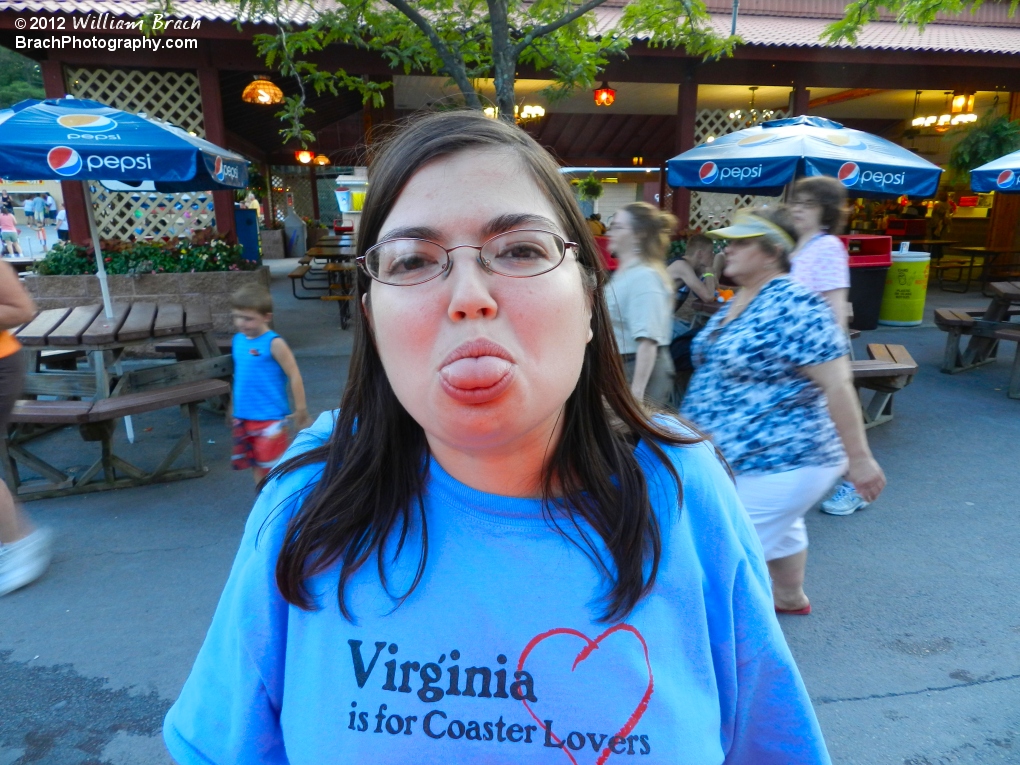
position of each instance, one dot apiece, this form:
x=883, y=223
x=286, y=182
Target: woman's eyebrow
x=511, y=221
x=495, y=226
x=412, y=232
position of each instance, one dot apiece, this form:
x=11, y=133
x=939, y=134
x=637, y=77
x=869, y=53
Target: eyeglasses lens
x=403, y=262
x=523, y=253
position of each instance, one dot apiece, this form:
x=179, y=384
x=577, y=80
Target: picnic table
x=22, y=263
x=935, y=246
x=986, y=331
x=989, y=256
x=94, y=399
x=71, y=332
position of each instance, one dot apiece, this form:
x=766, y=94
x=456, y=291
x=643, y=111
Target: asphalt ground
x=912, y=654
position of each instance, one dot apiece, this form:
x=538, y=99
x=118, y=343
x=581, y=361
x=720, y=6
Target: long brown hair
x=376, y=461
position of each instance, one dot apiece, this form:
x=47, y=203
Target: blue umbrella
x=765, y=158
x=70, y=139
x=1002, y=174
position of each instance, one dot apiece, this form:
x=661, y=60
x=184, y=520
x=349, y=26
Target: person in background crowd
x=773, y=389
x=640, y=299
x=38, y=218
x=695, y=274
x=63, y=233
x=51, y=208
x=598, y=228
x=820, y=261
x=9, y=231
x=263, y=366
x=489, y=501
x=5, y=199
x=941, y=216
x=822, y=264
x=25, y=550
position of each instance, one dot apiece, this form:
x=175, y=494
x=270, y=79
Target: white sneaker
x=24, y=561
x=844, y=501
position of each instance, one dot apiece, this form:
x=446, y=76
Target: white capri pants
x=777, y=503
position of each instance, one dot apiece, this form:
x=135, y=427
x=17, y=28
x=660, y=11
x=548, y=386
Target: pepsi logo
x=64, y=160
x=708, y=173
x=218, y=169
x=765, y=136
x=849, y=173
x=1006, y=179
x=844, y=140
x=86, y=123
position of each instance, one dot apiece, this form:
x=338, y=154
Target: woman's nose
x=469, y=284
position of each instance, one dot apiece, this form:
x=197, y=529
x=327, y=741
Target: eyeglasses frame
x=360, y=259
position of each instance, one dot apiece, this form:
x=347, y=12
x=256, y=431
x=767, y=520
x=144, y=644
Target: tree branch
x=552, y=26
x=457, y=73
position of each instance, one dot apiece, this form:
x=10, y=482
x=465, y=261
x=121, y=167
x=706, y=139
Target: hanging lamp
x=263, y=92
x=604, y=95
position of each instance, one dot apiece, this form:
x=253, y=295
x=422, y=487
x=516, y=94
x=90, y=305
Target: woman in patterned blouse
x=773, y=388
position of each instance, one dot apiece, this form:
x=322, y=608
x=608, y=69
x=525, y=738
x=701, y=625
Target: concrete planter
x=272, y=243
x=211, y=288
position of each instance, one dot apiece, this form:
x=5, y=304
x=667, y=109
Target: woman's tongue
x=475, y=372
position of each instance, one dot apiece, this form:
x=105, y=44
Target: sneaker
x=24, y=561
x=844, y=501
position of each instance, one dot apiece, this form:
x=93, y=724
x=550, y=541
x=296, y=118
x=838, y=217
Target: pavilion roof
x=765, y=23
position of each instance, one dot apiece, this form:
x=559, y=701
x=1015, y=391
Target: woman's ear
x=366, y=311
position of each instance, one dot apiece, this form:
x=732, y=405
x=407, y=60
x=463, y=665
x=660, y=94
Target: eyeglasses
x=404, y=262
x=804, y=202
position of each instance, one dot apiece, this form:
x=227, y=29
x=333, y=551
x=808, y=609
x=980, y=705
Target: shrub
x=202, y=253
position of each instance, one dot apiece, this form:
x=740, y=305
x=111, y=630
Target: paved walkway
x=912, y=655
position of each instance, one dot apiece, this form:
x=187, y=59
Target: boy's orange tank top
x=8, y=345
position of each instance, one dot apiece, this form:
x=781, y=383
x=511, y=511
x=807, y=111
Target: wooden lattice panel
x=709, y=210
x=293, y=181
x=172, y=96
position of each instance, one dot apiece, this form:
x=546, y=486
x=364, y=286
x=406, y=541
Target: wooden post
x=269, y=203
x=216, y=132
x=799, y=99
x=686, y=115
x=71, y=191
x=313, y=179
x=1005, y=219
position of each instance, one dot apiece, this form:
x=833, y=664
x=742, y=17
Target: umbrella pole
x=100, y=266
x=101, y=273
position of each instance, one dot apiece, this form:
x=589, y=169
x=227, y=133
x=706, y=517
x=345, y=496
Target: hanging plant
x=989, y=138
x=590, y=187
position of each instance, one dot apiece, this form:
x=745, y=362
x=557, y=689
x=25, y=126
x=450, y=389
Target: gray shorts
x=660, y=384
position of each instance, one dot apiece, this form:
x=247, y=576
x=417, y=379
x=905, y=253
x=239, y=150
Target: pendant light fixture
x=604, y=95
x=262, y=91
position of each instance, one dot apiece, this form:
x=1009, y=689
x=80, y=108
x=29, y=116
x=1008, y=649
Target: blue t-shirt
x=260, y=384
x=496, y=657
x=747, y=392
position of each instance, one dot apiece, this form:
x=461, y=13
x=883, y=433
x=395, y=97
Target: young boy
x=263, y=365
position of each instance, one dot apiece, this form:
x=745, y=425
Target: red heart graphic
x=591, y=645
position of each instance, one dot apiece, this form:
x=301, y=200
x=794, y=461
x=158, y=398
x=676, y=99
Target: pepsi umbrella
x=765, y=158
x=69, y=139
x=1002, y=174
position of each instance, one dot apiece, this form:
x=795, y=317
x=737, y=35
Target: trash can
x=869, y=262
x=906, y=287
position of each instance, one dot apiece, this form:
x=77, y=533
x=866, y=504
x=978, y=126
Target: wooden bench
x=887, y=370
x=958, y=323
x=184, y=349
x=301, y=275
x=1012, y=336
x=96, y=421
